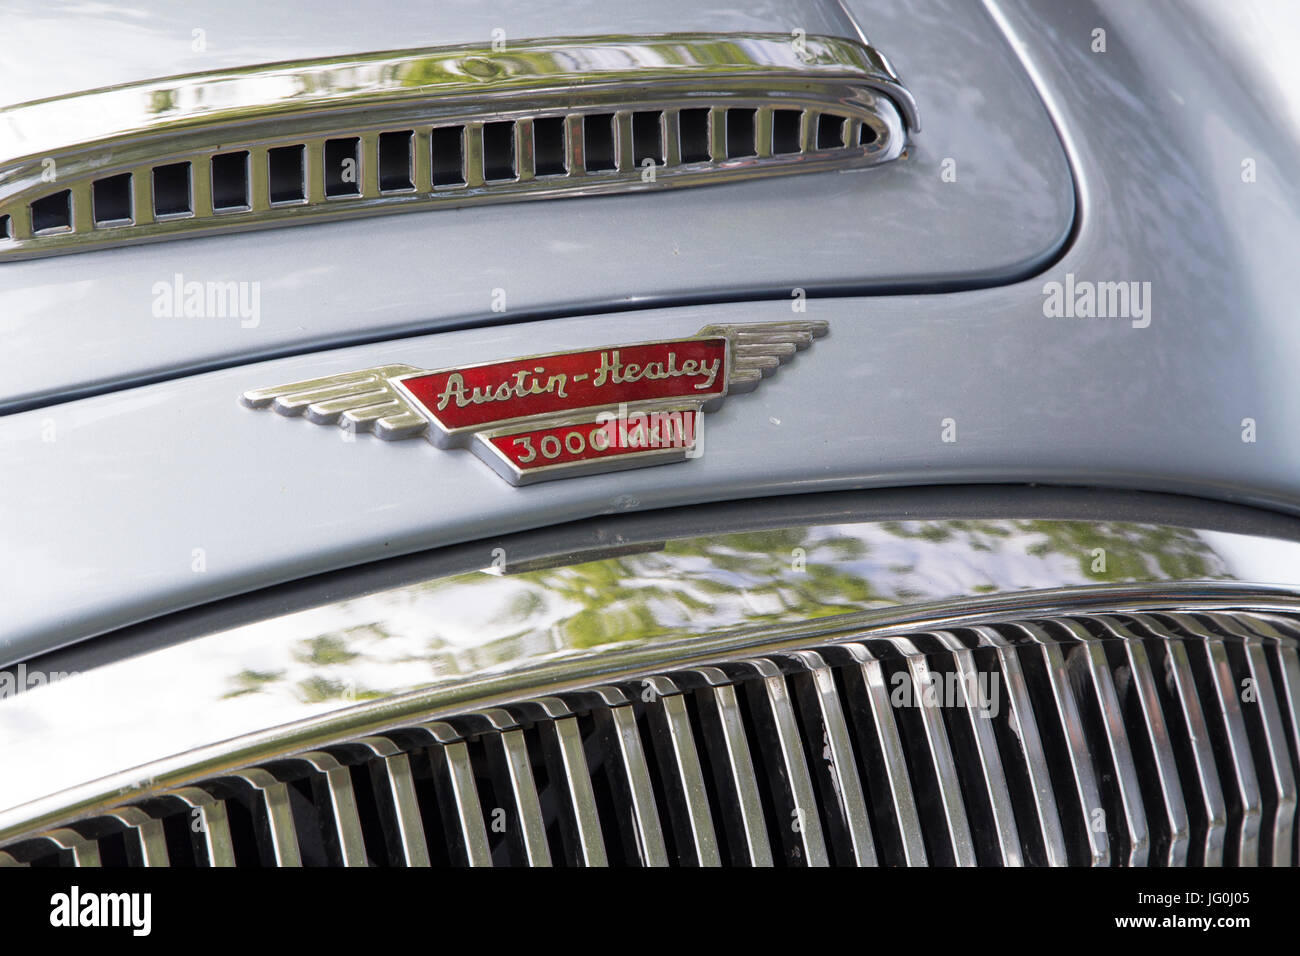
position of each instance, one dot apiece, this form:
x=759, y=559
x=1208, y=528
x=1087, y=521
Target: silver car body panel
x=138, y=502
x=919, y=223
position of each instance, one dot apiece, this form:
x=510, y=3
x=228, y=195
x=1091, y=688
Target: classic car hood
x=88, y=323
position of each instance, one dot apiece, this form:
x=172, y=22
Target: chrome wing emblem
x=558, y=415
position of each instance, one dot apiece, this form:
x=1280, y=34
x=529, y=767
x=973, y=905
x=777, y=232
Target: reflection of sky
x=477, y=624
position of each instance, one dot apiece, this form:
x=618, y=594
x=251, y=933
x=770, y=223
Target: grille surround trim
x=132, y=129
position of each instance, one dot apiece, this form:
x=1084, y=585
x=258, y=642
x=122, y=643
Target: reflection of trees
x=745, y=578
x=1133, y=552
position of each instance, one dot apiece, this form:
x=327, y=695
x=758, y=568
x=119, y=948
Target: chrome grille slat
x=282, y=832
x=629, y=775
x=799, y=756
x=842, y=795
x=146, y=845
x=878, y=730
x=1067, y=713
x=1243, y=765
x=397, y=783
x=990, y=761
x=1274, y=742
x=1184, y=691
x=214, y=825
x=679, y=763
x=1121, y=754
x=343, y=821
x=741, y=808
x=1288, y=659
x=778, y=735
x=85, y=851
x=940, y=755
x=1158, y=737
x=507, y=754
x=1025, y=728
x=566, y=764
x=454, y=777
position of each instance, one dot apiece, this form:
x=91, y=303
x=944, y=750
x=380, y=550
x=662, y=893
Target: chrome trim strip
x=188, y=119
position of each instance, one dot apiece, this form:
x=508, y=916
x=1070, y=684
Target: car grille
x=1109, y=739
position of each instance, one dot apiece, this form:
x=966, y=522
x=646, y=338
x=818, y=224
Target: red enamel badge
x=558, y=415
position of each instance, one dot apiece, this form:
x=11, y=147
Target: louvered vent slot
x=549, y=152
x=53, y=212
x=598, y=142
x=342, y=166
x=740, y=133
x=112, y=200
x=830, y=131
x=294, y=143
x=786, y=131
x=448, y=145
x=171, y=190
x=693, y=126
x=230, y=181
x=498, y=151
x=647, y=137
x=286, y=174
x=395, y=158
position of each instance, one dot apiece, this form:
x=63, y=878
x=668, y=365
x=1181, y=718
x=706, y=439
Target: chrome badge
x=559, y=415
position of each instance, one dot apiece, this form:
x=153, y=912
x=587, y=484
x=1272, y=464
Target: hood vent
x=418, y=129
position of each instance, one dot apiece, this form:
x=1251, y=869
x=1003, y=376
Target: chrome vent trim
x=547, y=118
x=1122, y=738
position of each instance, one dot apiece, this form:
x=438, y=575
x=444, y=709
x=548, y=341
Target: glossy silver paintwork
x=129, y=130
x=486, y=638
x=1025, y=391
x=896, y=226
